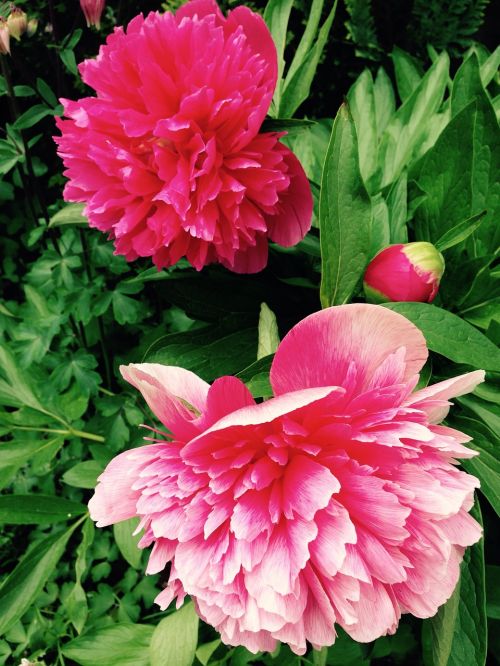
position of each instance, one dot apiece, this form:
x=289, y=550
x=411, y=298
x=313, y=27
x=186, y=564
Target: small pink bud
x=410, y=272
x=4, y=37
x=93, y=10
x=17, y=22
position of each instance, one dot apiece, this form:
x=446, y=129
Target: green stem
x=71, y=432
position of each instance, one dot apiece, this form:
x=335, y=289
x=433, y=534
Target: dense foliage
x=413, y=154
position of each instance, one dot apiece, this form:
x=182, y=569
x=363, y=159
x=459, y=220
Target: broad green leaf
x=21, y=451
x=115, y=645
x=361, y=100
x=309, y=144
x=470, y=148
x=210, y=352
x=70, y=214
x=488, y=413
x=408, y=73
x=459, y=232
x=23, y=585
x=127, y=542
x=409, y=125
x=385, y=103
x=450, y=336
x=344, y=214
x=37, y=509
x=83, y=474
x=276, y=16
x=486, y=466
x=467, y=85
x=205, y=651
x=175, y=638
x=269, y=337
x=32, y=116
x=380, y=233
x=297, y=86
x=457, y=634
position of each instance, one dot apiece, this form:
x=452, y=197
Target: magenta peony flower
x=337, y=501
x=93, y=10
x=410, y=272
x=168, y=157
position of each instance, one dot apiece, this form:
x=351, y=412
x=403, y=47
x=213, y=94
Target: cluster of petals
x=168, y=157
x=336, y=502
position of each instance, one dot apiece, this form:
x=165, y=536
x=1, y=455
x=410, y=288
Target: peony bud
x=93, y=10
x=408, y=272
x=4, y=37
x=32, y=27
x=17, y=22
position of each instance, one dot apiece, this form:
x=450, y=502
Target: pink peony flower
x=93, y=10
x=168, y=157
x=337, y=501
x=409, y=272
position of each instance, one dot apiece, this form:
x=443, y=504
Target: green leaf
x=408, y=73
x=385, y=103
x=297, y=86
x=450, y=336
x=23, y=585
x=32, y=116
x=16, y=390
x=21, y=451
x=37, y=509
x=276, y=16
x=308, y=37
x=408, y=127
x=9, y=156
x=70, y=214
x=467, y=84
x=46, y=92
x=175, y=638
x=83, y=474
x=210, y=352
x=459, y=232
x=344, y=214
x=127, y=542
x=397, y=203
x=115, y=645
x=489, y=68
x=457, y=634
x=69, y=60
x=269, y=338
x=470, y=148
x=310, y=145
x=361, y=100
x=205, y=651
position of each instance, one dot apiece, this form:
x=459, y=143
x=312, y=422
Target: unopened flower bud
x=4, y=37
x=17, y=22
x=32, y=27
x=409, y=272
x=93, y=10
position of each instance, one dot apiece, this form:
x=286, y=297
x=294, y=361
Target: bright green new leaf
x=127, y=542
x=205, y=651
x=308, y=37
x=269, y=337
x=408, y=73
x=115, y=645
x=344, y=215
x=276, y=16
x=361, y=100
x=175, y=638
x=459, y=232
x=37, y=509
x=23, y=585
x=449, y=335
x=297, y=86
x=385, y=102
x=32, y=116
x=71, y=214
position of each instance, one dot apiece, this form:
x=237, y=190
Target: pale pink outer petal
x=320, y=349
x=171, y=394
x=431, y=399
x=293, y=220
x=114, y=499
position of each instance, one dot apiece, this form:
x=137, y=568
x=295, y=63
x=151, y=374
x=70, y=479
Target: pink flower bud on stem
x=93, y=10
x=409, y=272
